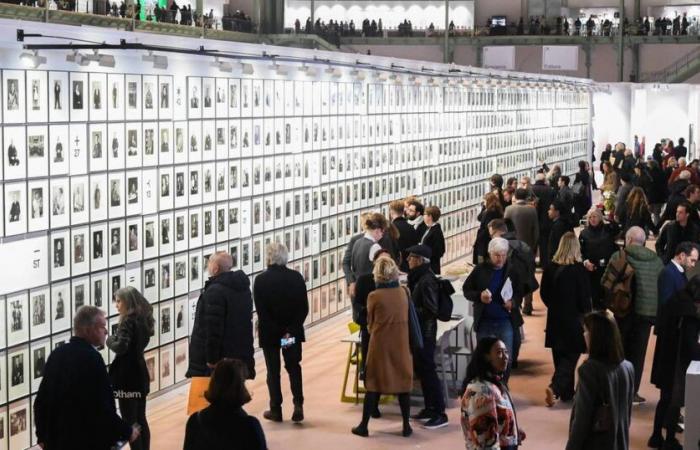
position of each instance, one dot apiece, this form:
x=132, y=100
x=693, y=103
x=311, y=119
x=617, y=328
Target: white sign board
x=499, y=57
x=24, y=264
x=560, y=57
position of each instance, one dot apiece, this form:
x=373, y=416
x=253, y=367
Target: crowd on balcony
x=333, y=30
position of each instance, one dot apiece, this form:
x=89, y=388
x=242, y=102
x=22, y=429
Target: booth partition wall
x=132, y=175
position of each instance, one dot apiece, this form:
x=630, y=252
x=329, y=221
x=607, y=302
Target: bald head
x=219, y=263
x=635, y=236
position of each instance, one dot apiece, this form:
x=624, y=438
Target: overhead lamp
x=335, y=72
x=32, y=59
x=358, y=74
x=380, y=76
x=158, y=61
x=281, y=70
x=246, y=68
x=308, y=70
x=78, y=58
x=103, y=60
x=223, y=66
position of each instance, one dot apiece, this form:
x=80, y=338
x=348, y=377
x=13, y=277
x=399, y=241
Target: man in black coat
x=407, y=234
x=223, y=322
x=425, y=294
x=545, y=196
x=673, y=233
x=282, y=305
x=74, y=408
x=558, y=213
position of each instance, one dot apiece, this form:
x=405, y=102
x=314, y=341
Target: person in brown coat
x=389, y=366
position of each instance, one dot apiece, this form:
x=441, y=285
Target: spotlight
x=359, y=75
x=32, y=59
x=247, y=69
x=78, y=58
x=158, y=61
x=309, y=71
x=335, y=72
x=100, y=58
x=380, y=76
x=281, y=70
x=223, y=66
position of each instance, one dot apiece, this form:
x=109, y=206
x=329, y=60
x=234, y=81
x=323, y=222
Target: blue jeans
x=502, y=329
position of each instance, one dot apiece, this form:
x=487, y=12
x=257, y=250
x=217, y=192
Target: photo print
x=58, y=97
x=78, y=102
x=14, y=99
x=37, y=151
x=15, y=208
x=38, y=205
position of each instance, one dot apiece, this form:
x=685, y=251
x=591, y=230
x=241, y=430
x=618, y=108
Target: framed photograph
x=165, y=143
x=15, y=208
x=150, y=97
x=97, y=97
x=59, y=90
x=60, y=255
x=80, y=288
x=20, y=422
x=116, y=146
x=15, y=155
x=181, y=358
x=150, y=236
x=58, y=147
x=152, y=364
x=60, y=204
x=99, y=198
x=115, y=96
x=208, y=106
x=37, y=103
x=180, y=315
x=18, y=361
x=78, y=92
x=38, y=205
x=150, y=144
x=80, y=240
x=166, y=280
x=167, y=238
x=195, y=230
x=98, y=234
x=167, y=328
x=181, y=274
x=181, y=230
x=195, y=141
x=14, y=99
x=181, y=142
x=78, y=149
x=17, y=318
x=133, y=192
x=133, y=145
x=40, y=311
x=39, y=352
x=117, y=250
x=150, y=280
x=165, y=97
x=196, y=268
x=208, y=140
x=134, y=251
x=149, y=191
x=117, y=202
x=179, y=97
x=133, y=97
x=98, y=151
x=222, y=104
x=80, y=206
x=234, y=97
x=3, y=399
x=117, y=280
x=194, y=89
x=60, y=306
x=167, y=366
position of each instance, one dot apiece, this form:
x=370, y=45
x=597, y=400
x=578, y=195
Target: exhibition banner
x=560, y=57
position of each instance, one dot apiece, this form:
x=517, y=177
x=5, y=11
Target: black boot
x=273, y=414
x=298, y=415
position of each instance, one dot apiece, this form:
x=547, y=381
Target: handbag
x=415, y=335
x=602, y=418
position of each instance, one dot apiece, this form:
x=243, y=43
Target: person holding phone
x=282, y=305
x=128, y=371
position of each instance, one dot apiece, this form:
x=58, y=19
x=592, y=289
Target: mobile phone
x=287, y=342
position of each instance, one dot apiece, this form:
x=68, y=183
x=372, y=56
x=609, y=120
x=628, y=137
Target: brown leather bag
x=617, y=285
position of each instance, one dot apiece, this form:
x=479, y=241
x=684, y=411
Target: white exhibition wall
x=421, y=14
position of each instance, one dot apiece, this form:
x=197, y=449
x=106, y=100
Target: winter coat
x=223, y=324
x=611, y=182
x=621, y=200
x=559, y=227
x=600, y=382
x=673, y=234
x=525, y=221
x=583, y=202
x=598, y=243
x=434, y=239
x=389, y=367
x=407, y=238
x=480, y=278
x=545, y=196
x=647, y=267
x=128, y=371
x=425, y=294
x=658, y=190
x=222, y=428
x=675, y=198
x=282, y=305
x=566, y=292
x=481, y=243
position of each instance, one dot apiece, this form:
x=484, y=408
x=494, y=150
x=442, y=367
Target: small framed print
x=99, y=199
x=14, y=98
x=180, y=314
x=39, y=352
x=133, y=97
x=181, y=230
x=117, y=151
x=78, y=149
x=80, y=293
x=60, y=255
x=194, y=141
x=181, y=353
x=20, y=421
x=58, y=97
x=181, y=274
x=150, y=280
x=167, y=366
x=134, y=247
x=165, y=143
x=222, y=103
x=37, y=151
x=60, y=203
x=234, y=97
x=195, y=230
x=167, y=331
x=3, y=400
x=18, y=359
x=181, y=142
x=150, y=144
x=165, y=94
x=58, y=146
x=60, y=306
x=165, y=197
x=152, y=364
x=117, y=280
x=208, y=109
x=167, y=239
x=78, y=103
x=15, y=159
x=150, y=236
x=133, y=145
x=97, y=94
x=150, y=97
x=149, y=189
x=98, y=233
x=116, y=243
x=133, y=192
x=80, y=240
x=194, y=89
x=17, y=318
x=80, y=206
x=166, y=281
x=15, y=208
x=40, y=312
x=117, y=203
x=208, y=140
x=115, y=97
x=99, y=290
x=195, y=270
x=38, y=205
x=98, y=154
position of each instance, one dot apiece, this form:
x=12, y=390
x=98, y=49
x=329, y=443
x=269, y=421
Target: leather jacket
x=425, y=295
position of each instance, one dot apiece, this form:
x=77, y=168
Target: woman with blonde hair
x=566, y=291
x=389, y=365
x=637, y=212
x=597, y=242
x=128, y=371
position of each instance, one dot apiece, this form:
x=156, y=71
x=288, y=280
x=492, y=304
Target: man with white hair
x=223, y=322
x=495, y=290
x=635, y=327
x=282, y=304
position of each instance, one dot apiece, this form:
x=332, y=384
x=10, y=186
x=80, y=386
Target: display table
x=692, y=406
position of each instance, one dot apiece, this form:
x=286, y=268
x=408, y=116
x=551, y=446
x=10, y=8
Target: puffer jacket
x=223, y=324
x=647, y=267
x=425, y=294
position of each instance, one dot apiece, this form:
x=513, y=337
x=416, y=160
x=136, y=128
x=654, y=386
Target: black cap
x=420, y=250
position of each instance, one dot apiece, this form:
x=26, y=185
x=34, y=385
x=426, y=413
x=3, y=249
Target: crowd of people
x=604, y=290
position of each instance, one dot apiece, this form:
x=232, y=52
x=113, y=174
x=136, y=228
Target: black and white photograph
x=167, y=367
x=80, y=237
x=14, y=104
x=98, y=97
x=117, y=205
x=165, y=111
x=132, y=190
x=60, y=306
x=81, y=295
x=77, y=94
x=99, y=289
x=17, y=318
x=15, y=208
x=194, y=89
x=165, y=144
x=18, y=420
x=115, y=146
x=39, y=356
x=99, y=198
x=18, y=360
x=133, y=230
x=36, y=101
x=115, y=96
x=19, y=423
x=166, y=282
x=37, y=151
x=58, y=150
x=38, y=205
x=15, y=155
x=39, y=304
x=80, y=207
x=133, y=97
x=58, y=96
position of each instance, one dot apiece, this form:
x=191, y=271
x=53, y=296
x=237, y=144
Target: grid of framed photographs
x=137, y=179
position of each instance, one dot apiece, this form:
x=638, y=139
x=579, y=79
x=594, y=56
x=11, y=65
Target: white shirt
x=678, y=266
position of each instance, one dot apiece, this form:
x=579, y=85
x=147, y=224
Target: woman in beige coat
x=389, y=366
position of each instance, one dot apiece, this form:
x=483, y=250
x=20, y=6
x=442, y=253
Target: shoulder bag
x=415, y=335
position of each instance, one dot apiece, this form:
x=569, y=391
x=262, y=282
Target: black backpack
x=445, y=303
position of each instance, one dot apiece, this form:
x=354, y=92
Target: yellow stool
x=355, y=359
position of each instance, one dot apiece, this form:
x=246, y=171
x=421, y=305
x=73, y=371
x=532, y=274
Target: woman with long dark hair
x=637, y=213
x=489, y=420
x=493, y=209
x=600, y=417
x=128, y=371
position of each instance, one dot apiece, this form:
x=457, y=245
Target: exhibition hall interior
x=253, y=224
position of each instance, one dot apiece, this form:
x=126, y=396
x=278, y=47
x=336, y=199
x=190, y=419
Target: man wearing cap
x=425, y=294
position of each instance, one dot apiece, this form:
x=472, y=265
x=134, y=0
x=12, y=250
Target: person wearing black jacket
x=597, y=241
x=74, y=407
x=223, y=322
x=128, y=371
x=560, y=224
x=224, y=424
x=677, y=327
x=492, y=210
x=673, y=233
x=282, y=304
x=545, y=196
x=425, y=294
x=583, y=199
x=677, y=196
x=407, y=234
x=658, y=191
x=605, y=155
x=433, y=237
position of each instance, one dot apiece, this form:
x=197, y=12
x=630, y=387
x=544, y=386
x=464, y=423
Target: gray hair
x=595, y=212
x=277, y=254
x=498, y=245
x=223, y=260
x=635, y=236
x=86, y=317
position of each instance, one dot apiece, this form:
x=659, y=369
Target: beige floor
x=328, y=421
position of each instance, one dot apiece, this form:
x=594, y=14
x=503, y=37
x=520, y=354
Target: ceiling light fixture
x=78, y=58
x=223, y=66
x=158, y=61
x=32, y=59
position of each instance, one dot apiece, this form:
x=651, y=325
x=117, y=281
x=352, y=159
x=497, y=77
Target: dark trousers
x=635, y=330
x=364, y=348
x=543, y=248
x=292, y=358
x=133, y=410
x=424, y=362
x=564, y=373
x=371, y=403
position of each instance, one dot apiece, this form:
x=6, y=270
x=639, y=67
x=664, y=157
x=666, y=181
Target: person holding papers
x=566, y=291
x=494, y=287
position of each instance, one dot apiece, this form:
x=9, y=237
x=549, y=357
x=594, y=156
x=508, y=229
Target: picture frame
x=14, y=101
x=79, y=96
x=59, y=100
